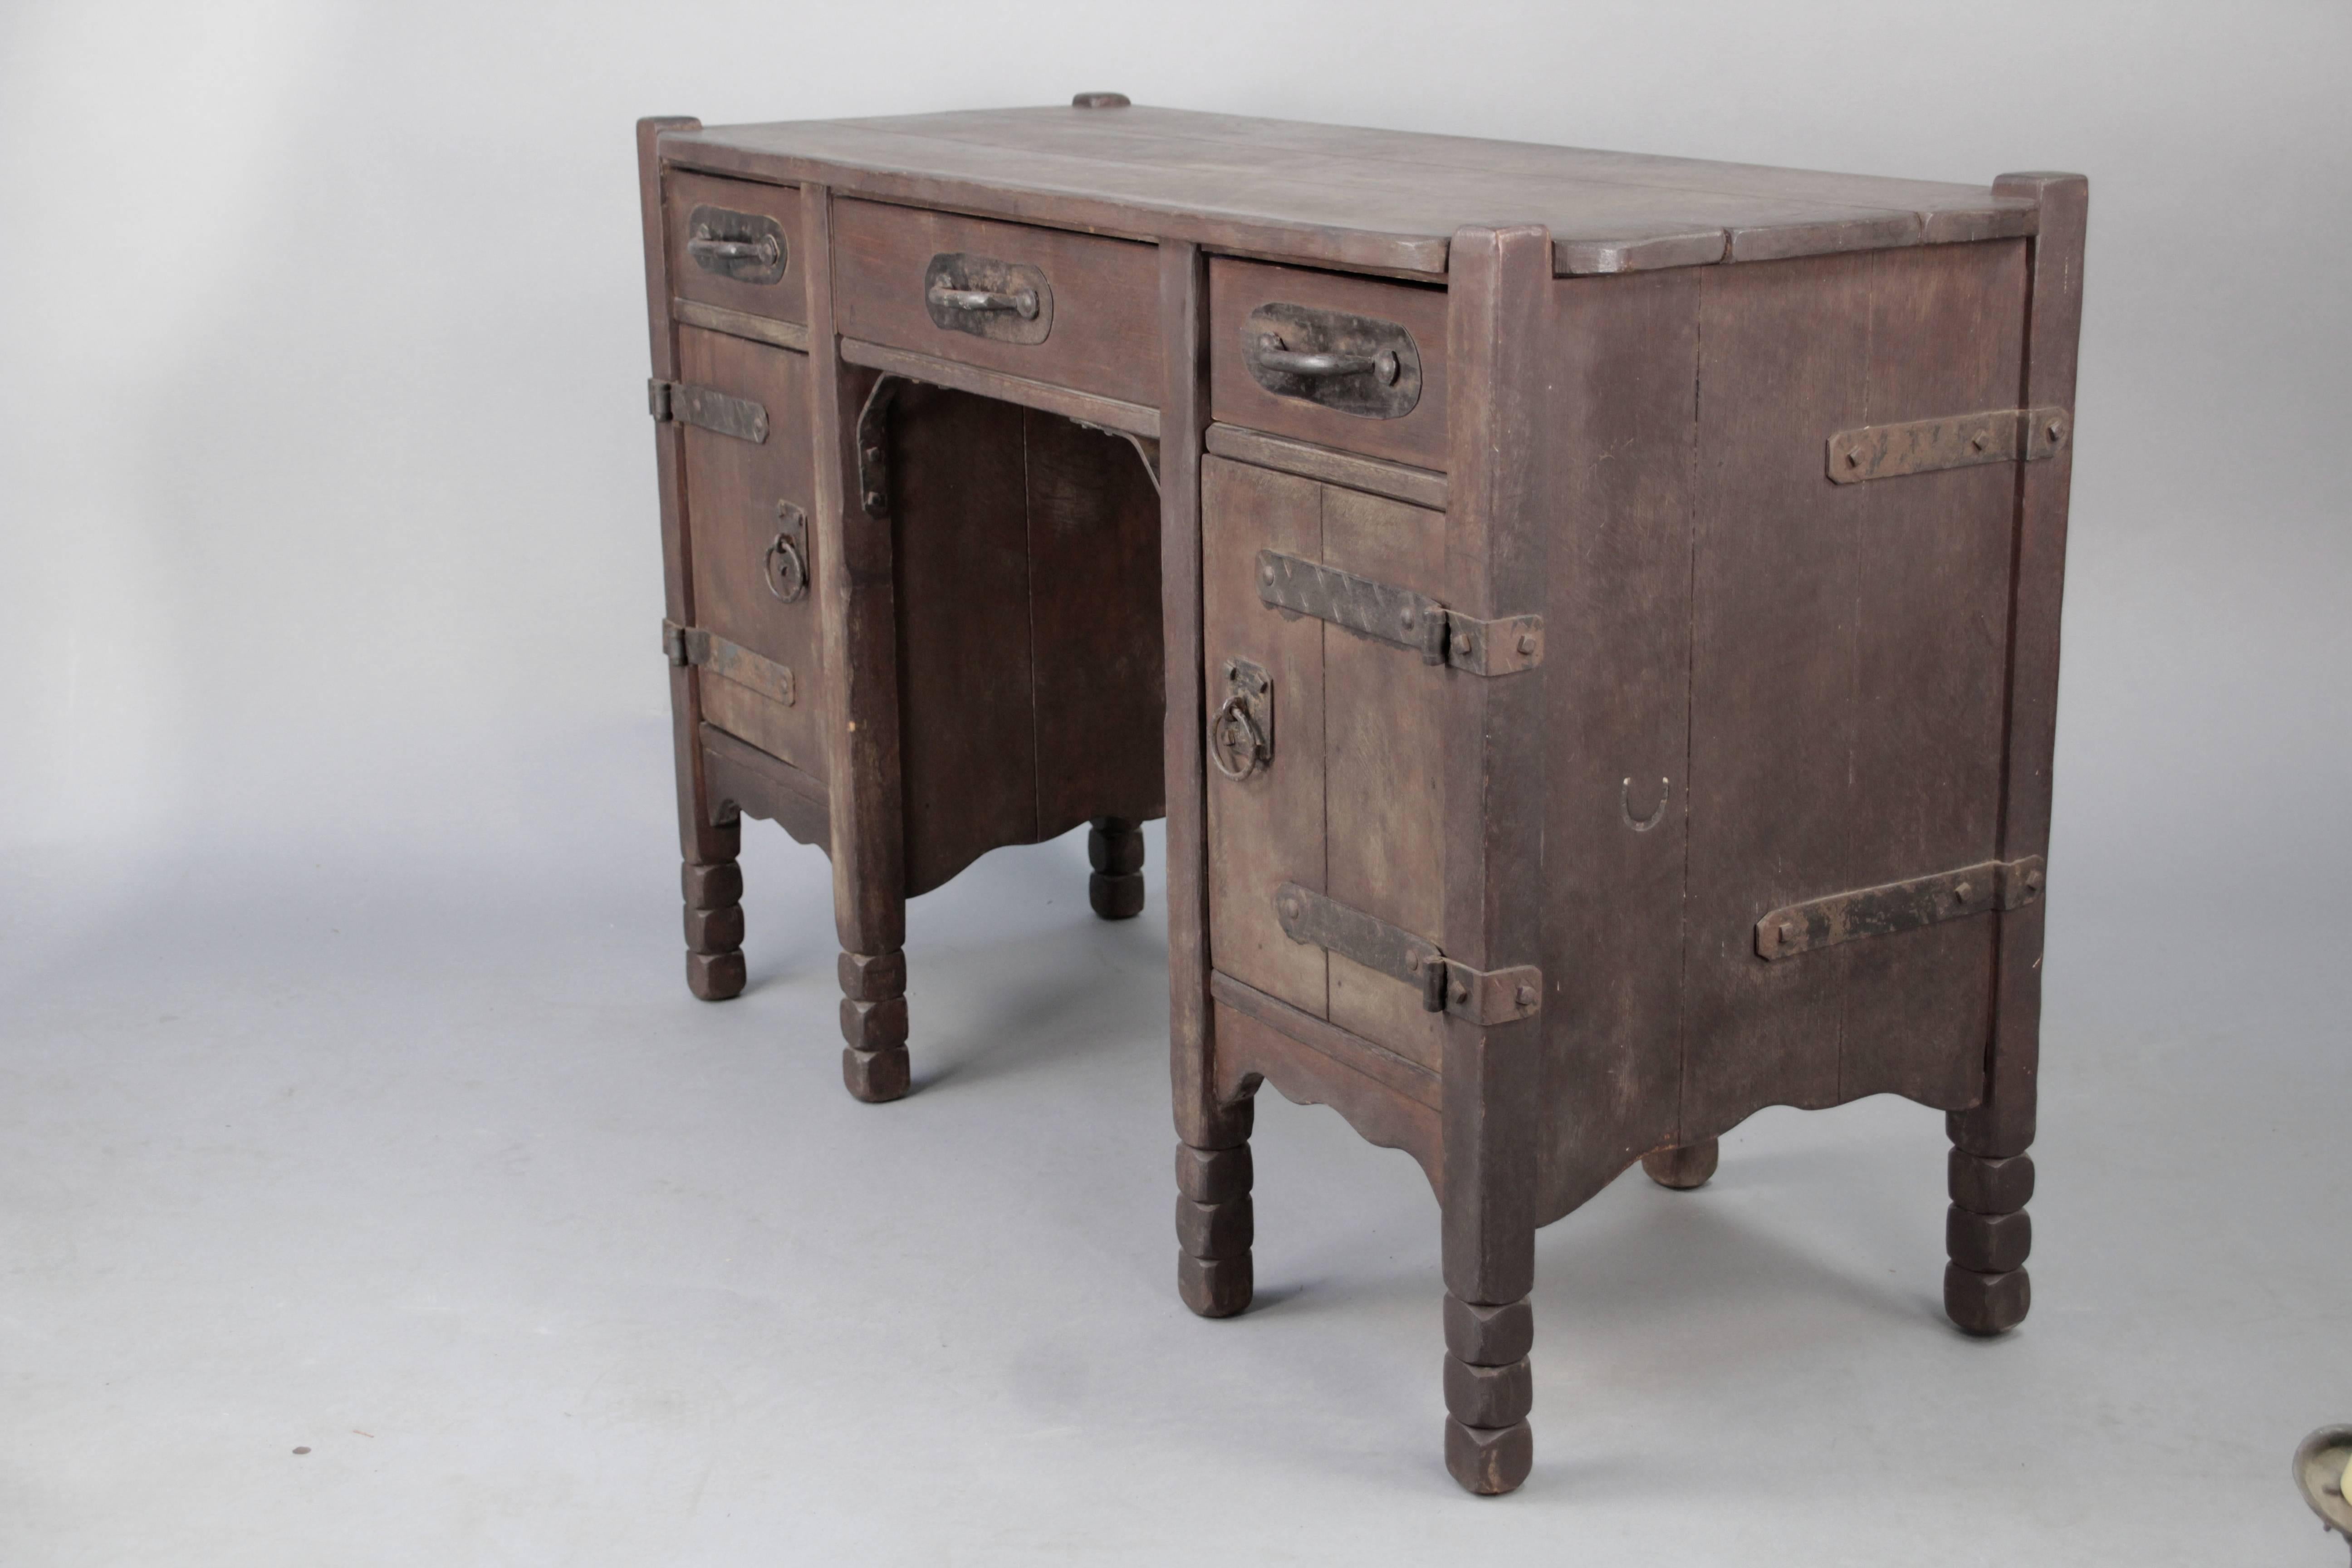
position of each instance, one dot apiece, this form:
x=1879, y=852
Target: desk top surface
x=1381, y=200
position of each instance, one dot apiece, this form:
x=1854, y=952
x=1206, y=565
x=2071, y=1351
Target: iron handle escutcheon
x=763, y=250
x=1022, y=302
x=1290, y=362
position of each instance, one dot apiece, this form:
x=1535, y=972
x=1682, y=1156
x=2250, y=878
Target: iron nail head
x=1527, y=642
x=1527, y=995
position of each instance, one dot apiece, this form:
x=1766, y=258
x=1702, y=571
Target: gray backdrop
x=333, y=805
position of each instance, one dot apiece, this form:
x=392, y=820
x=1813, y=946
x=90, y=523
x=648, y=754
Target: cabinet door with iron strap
x=1326, y=687
x=744, y=406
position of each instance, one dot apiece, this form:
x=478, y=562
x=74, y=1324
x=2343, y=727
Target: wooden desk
x=1605, y=612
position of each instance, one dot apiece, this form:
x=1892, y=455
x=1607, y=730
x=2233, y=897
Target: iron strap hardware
x=707, y=407
x=1924, y=446
x=1898, y=907
x=1482, y=996
x=729, y=661
x=1398, y=616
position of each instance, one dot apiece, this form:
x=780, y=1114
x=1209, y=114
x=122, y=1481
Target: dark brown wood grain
x=1932, y=560
x=1417, y=487
x=1251, y=1050
x=1238, y=288
x=1094, y=625
x=1105, y=334
x=1268, y=829
x=966, y=687
x=1623, y=410
x=1380, y=201
x=1385, y=716
x=1029, y=651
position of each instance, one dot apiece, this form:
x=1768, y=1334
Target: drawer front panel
x=1349, y=797
x=1073, y=310
x=736, y=243
x=1358, y=364
x=746, y=502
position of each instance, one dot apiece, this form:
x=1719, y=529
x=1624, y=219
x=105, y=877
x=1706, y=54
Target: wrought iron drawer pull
x=1022, y=304
x=747, y=248
x=1274, y=356
x=763, y=250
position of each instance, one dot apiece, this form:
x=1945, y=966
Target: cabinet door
x=742, y=500
x=1349, y=800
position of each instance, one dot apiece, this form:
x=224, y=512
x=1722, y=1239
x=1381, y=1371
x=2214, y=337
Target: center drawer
x=1073, y=310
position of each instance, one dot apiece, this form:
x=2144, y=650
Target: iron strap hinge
x=730, y=661
x=1482, y=997
x=685, y=645
x=1399, y=616
x=707, y=408
x=1957, y=441
x=1898, y=907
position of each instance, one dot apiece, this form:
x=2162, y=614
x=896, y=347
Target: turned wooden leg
x=1115, y=846
x=714, y=929
x=1682, y=1168
x=1490, y=1389
x=1214, y=1227
x=1987, y=1234
x=874, y=1021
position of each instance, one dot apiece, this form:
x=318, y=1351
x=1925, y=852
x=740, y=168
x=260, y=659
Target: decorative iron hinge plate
x=872, y=446
x=1399, y=616
x=1898, y=907
x=1924, y=446
x=1446, y=985
x=729, y=661
x=707, y=408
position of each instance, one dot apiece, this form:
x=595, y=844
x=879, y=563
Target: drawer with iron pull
x=1356, y=363
x=735, y=262
x=1074, y=310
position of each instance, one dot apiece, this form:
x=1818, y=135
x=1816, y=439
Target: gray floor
x=419, y=1157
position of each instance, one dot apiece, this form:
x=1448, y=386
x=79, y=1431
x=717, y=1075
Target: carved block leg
x=1683, y=1168
x=1115, y=846
x=1490, y=1389
x=1987, y=1234
x=1213, y=1227
x=714, y=927
x=874, y=1022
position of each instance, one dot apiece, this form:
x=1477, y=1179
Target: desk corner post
x=1988, y=1233
x=709, y=831
x=1213, y=1223
x=1498, y=286
x=859, y=616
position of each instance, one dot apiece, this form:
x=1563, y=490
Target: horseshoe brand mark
x=1625, y=804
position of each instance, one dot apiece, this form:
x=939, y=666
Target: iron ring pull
x=1290, y=362
x=787, y=573
x=763, y=250
x=1022, y=302
x=1233, y=730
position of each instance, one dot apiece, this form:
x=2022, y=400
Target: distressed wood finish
x=1684, y=802
x=1369, y=200
x=1104, y=336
